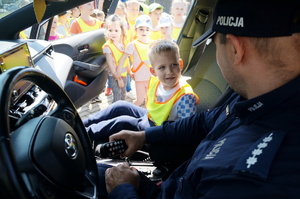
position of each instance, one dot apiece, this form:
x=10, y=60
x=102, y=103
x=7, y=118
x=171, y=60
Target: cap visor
x=208, y=34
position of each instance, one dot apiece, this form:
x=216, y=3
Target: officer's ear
x=236, y=46
x=152, y=71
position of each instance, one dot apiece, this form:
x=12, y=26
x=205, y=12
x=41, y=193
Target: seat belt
x=201, y=19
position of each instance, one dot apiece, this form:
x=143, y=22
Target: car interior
x=45, y=150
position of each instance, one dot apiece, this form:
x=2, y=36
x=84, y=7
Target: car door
x=88, y=76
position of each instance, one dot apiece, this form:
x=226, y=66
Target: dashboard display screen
x=17, y=56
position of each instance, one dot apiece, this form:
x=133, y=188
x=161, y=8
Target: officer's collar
x=253, y=108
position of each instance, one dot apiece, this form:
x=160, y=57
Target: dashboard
x=28, y=100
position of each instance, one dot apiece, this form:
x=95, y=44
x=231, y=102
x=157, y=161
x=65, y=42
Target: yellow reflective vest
x=85, y=27
x=117, y=54
x=155, y=35
x=175, y=32
x=142, y=50
x=158, y=112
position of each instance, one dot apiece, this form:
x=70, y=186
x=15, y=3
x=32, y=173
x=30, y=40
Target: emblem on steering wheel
x=71, y=146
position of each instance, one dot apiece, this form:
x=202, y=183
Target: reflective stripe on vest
x=158, y=112
x=85, y=27
x=117, y=54
x=142, y=50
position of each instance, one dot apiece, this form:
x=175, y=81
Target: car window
x=61, y=25
x=9, y=6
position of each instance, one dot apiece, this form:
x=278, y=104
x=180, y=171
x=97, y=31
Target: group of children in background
x=142, y=27
x=140, y=45
x=128, y=32
x=151, y=57
x=77, y=20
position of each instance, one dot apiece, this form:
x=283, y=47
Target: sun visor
x=39, y=9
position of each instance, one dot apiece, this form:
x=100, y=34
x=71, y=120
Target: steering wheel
x=49, y=156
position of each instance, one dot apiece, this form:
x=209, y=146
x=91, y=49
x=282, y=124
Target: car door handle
x=83, y=48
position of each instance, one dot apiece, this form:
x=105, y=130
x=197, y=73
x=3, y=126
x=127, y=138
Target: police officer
x=248, y=147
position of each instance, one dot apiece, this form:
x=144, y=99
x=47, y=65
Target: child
x=170, y=98
x=178, y=11
x=138, y=50
x=155, y=11
x=85, y=22
x=53, y=31
x=113, y=49
x=100, y=15
x=133, y=11
x=63, y=25
x=165, y=26
x=121, y=11
x=75, y=12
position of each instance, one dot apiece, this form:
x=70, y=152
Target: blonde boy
x=170, y=98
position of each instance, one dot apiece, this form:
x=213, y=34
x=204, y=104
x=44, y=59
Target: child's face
x=54, y=23
x=143, y=33
x=155, y=15
x=114, y=32
x=167, y=67
x=75, y=12
x=166, y=30
x=119, y=11
x=87, y=8
x=133, y=10
x=179, y=9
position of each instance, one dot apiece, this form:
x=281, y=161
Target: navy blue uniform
x=246, y=149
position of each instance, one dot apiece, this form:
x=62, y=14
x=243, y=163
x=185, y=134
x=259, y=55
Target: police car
x=45, y=151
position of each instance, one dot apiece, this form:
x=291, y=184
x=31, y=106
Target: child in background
x=155, y=11
x=165, y=25
x=121, y=11
x=63, y=25
x=113, y=49
x=75, y=12
x=138, y=50
x=133, y=11
x=178, y=12
x=53, y=31
x=169, y=99
x=100, y=15
x=85, y=22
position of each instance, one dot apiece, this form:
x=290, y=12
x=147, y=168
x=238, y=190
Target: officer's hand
x=135, y=140
x=121, y=174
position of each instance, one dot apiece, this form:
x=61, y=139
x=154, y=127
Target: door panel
x=88, y=75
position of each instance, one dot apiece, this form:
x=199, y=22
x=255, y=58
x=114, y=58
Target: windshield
x=173, y=10
x=9, y=6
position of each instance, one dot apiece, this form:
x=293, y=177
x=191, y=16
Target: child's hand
x=131, y=74
x=116, y=75
x=119, y=70
x=120, y=82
